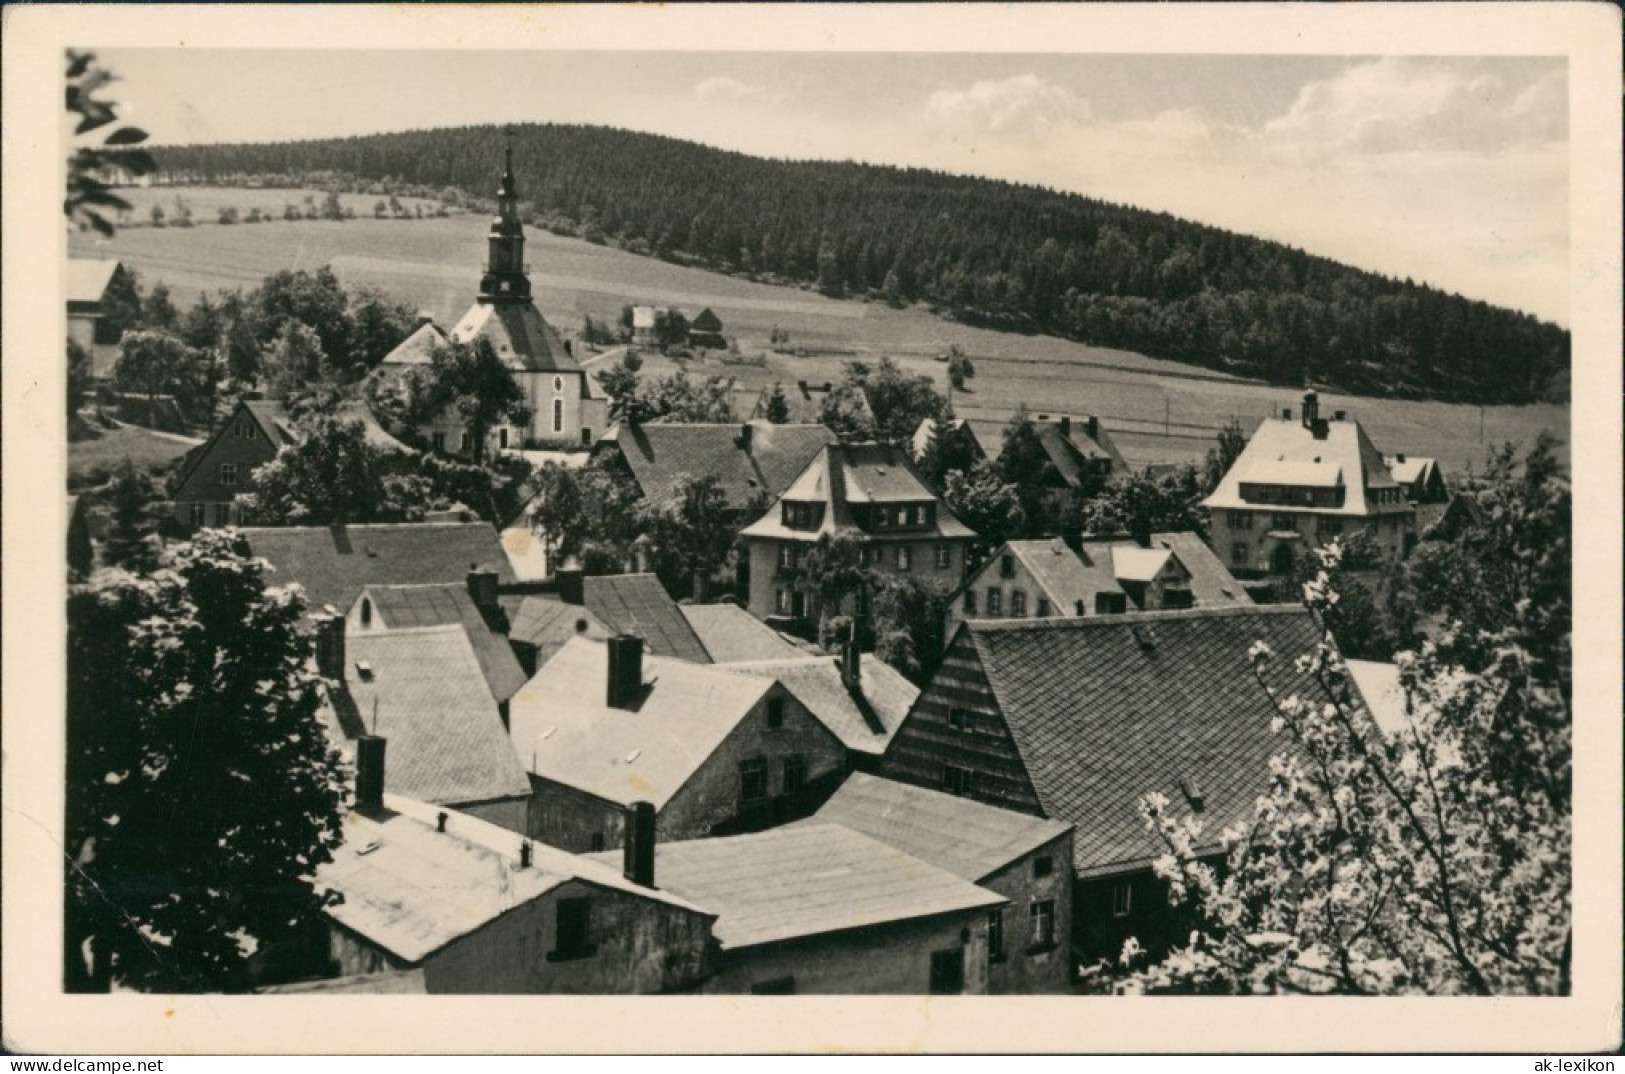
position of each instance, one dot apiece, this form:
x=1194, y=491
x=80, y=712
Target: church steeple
x=505, y=281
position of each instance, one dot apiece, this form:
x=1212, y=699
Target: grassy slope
x=92, y=461
x=434, y=265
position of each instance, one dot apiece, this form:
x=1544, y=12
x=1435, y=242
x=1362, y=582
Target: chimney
x=624, y=683
x=524, y=854
x=801, y=386
x=1141, y=532
x=639, y=861
x=1286, y=413
x=570, y=582
x=1400, y=457
x=1091, y=425
x=369, y=773
x=482, y=588
x=425, y=317
x=851, y=660
x=1339, y=415
x=1311, y=409
x=702, y=586
x=742, y=441
x=1066, y=425
x=330, y=646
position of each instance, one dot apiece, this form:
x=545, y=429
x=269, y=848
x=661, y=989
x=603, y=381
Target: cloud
x=727, y=89
x=1023, y=103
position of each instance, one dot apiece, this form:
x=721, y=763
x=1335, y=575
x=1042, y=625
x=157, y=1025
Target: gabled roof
x=1131, y=563
x=1212, y=584
x=1407, y=469
x=399, y=607
x=279, y=429
x=750, y=460
x=706, y=321
x=411, y=890
x=1068, y=449
x=334, y=563
x=520, y=336
x=547, y=622
x=639, y=604
x=795, y=883
x=564, y=731
x=417, y=348
x=927, y=428
x=1102, y=564
x=86, y=279
x=730, y=634
x=841, y=475
x=805, y=402
x=1286, y=452
x=1106, y=709
x=422, y=688
x=865, y=727
x=967, y=838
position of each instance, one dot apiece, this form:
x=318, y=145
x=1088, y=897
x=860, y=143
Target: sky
x=1448, y=170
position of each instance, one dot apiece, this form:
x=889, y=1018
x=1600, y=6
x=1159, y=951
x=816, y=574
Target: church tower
x=505, y=281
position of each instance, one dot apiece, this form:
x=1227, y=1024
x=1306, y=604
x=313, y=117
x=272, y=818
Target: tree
x=79, y=376
x=132, y=541
x=624, y=388
x=1025, y=465
x=157, y=363
x=1140, y=503
x=960, y=369
x=670, y=328
x=332, y=206
x=92, y=169
x=678, y=398
x=202, y=792
x=158, y=310
x=908, y=617
x=1358, y=620
x=778, y=407
x=1223, y=454
x=845, y=412
x=470, y=380
x=229, y=215
x=830, y=570
x=377, y=326
x=593, y=506
x=899, y=401
x=334, y=476
x=296, y=363
x=316, y=301
x=691, y=534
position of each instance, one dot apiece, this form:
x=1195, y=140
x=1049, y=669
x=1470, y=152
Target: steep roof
x=521, y=337
x=86, y=279
x=547, y=622
x=1106, y=709
x=749, y=460
x=417, y=348
x=639, y=604
x=402, y=606
x=792, y=883
x=1286, y=452
x=706, y=321
x=841, y=475
x=1103, y=564
x=865, y=727
x=334, y=563
x=564, y=731
x=965, y=837
x=1407, y=469
x=412, y=890
x=730, y=634
x=1212, y=584
x=446, y=740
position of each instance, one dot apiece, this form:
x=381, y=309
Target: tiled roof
x=639, y=604
x=1285, y=452
x=273, y=420
x=425, y=693
x=843, y=474
x=334, y=563
x=412, y=890
x=417, y=348
x=730, y=634
x=791, y=883
x=280, y=430
x=547, y=622
x=86, y=279
x=401, y=606
x=564, y=731
x=1131, y=563
x=967, y=838
x=1407, y=468
x=1106, y=709
x=816, y=682
x=1212, y=584
x=521, y=337
x=746, y=467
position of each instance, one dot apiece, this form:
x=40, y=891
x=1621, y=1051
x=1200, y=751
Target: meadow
x=1158, y=411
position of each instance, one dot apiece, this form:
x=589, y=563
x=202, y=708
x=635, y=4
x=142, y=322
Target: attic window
x=581, y=626
x=363, y=670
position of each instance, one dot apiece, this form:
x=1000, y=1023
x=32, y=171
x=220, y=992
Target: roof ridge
x=984, y=626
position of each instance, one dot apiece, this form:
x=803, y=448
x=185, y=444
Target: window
x=502, y=437
x=970, y=602
x=1007, y=566
x=781, y=601
x=865, y=555
x=586, y=436
x=199, y=514
x=1018, y=603
x=440, y=441
x=558, y=384
x=787, y=556
x=775, y=712
x=1241, y=520
x=795, y=773
x=1328, y=527
x=945, y=556
x=905, y=558
x=959, y=719
x=222, y=514
x=1238, y=554
x=1178, y=597
x=777, y=986
x=558, y=415
x=228, y=473
x=752, y=779
x=995, y=603
x=463, y=440
x=957, y=780
x=1122, y=898
x=1043, y=922
x=1111, y=603
x=573, y=921
x=995, y=935
x=1044, y=611
x=366, y=611
x=597, y=841
x=1043, y=866
x=948, y=972
x=1283, y=522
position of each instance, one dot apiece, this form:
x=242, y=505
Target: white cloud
x=1023, y=103
x=727, y=89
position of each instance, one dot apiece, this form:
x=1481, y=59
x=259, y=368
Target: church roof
x=521, y=337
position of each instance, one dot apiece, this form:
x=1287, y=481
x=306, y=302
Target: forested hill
x=983, y=251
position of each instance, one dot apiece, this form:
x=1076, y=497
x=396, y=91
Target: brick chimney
x=639, y=859
x=1311, y=415
x=852, y=660
x=571, y=583
x=1066, y=425
x=624, y=679
x=482, y=588
x=1091, y=426
x=330, y=646
x=742, y=441
x=369, y=773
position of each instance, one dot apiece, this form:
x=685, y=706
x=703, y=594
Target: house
x=1424, y=485
x=218, y=471
x=643, y=323
x=472, y=606
x=601, y=607
x=862, y=702
x=804, y=402
x=1299, y=484
x=424, y=690
x=1022, y=857
x=602, y=726
x=87, y=282
x=1077, y=719
x=705, y=330
x=1094, y=576
x=471, y=908
x=823, y=909
x=561, y=409
x=731, y=634
x=866, y=492
x=335, y=563
x=956, y=440
x=1464, y=512
x=1079, y=455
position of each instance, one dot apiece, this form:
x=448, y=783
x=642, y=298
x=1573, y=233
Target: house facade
x=87, y=282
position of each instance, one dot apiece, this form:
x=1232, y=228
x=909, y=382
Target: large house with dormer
x=561, y=409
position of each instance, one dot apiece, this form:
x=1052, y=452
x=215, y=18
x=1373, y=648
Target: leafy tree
x=90, y=195
x=316, y=301
x=1141, y=502
x=625, y=324
x=377, y=326
x=984, y=501
x=296, y=363
x=899, y=401
x=830, y=570
x=79, y=376
x=470, y=380
x=778, y=407
x=332, y=206
x=845, y=412
x=595, y=331
x=229, y=215
x=202, y=793
x=690, y=535
x=960, y=369
x=1358, y=619
x=121, y=306
x=1232, y=441
x=591, y=507
x=670, y=328
x=1025, y=466
x=158, y=310
x=157, y=363
x=132, y=541
x=157, y=214
x=908, y=616
x=624, y=388
x=678, y=398
x=333, y=476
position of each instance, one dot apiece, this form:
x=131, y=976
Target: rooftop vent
x=1146, y=635
x=1192, y=791
x=363, y=670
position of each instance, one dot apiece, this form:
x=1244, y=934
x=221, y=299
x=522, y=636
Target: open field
x=92, y=461
x=1159, y=411
x=207, y=201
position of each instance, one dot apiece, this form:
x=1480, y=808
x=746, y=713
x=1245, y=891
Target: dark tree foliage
x=987, y=252
x=982, y=499
x=470, y=380
x=1229, y=445
x=899, y=401
x=79, y=370
x=778, y=407
x=689, y=536
x=91, y=168
x=132, y=541
x=909, y=613
x=1142, y=502
x=334, y=476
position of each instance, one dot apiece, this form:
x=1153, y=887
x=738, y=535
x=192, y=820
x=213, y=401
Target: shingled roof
x=730, y=634
x=334, y=563
x=841, y=475
x=865, y=726
x=639, y=604
x=1286, y=452
x=1106, y=709
x=750, y=460
x=417, y=348
x=519, y=334
x=397, y=607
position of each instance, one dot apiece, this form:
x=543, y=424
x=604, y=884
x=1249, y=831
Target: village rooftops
x=1106, y=709
x=401, y=606
x=864, y=723
x=565, y=731
x=844, y=480
x=799, y=882
x=622, y=603
x=334, y=563
x=731, y=634
x=1321, y=465
x=417, y=348
x=411, y=889
x=751, y=461
x=967, y=838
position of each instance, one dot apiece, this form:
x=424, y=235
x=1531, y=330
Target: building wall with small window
x=1250, y=542
x=1108, y=910
x=611, y=942
x=1003, y=588
x=773, y=570
x=207, y=497
x=1021, y=962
